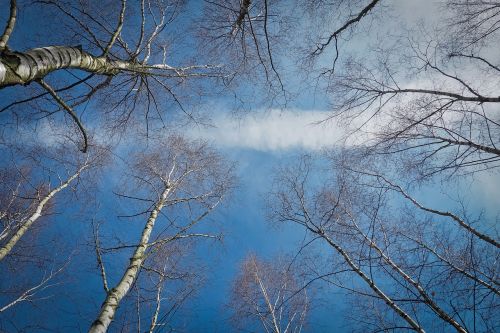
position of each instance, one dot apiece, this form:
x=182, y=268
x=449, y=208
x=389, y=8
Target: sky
x=259, y=142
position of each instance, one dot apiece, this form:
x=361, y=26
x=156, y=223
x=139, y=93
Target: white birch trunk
x=271, y=308
x=370, y=283
x=426, y=298
x=4, y=250
x=116, y=294
x=24, y=67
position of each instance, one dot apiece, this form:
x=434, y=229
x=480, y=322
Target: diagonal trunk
x=116, y=294
x=5, y=249
x=426, y=297
x=25, y=67
x=415, y=326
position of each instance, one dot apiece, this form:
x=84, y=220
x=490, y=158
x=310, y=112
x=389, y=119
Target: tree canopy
x=302, y=165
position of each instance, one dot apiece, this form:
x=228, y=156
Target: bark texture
x=25, y=67
x=116, y=294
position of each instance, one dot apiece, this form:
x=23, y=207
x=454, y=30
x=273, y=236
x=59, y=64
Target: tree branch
x=454, y=217
x=68, y=109
x=336, y=34
x=117, y=31
x=99, y=257
x=10, y=25
x=29, y=293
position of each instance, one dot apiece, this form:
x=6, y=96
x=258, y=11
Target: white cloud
x=274, y=130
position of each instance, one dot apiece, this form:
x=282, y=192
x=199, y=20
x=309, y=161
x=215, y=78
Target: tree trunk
x=116, y=294
x=25, y=67
x=370, y=282
x=4, y=250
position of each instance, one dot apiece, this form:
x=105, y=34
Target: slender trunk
x=426, y=298
x=154, y=319
x=4, y=250
x=245, y=5
x=270, y=307
x=116, y=294
x=370, y=283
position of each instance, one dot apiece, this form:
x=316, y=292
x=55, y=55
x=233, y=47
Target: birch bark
x=21, y=68
x=370, y=282
x=5, y=249
x=116, y=294
x=25, y=67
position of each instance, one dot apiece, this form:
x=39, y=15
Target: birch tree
x=39, y=183
x=271, y=294
x=418, y=105
x=123, y=52
x=425, y=93
x=173, y=175
x=33, y=178
x=411, y=259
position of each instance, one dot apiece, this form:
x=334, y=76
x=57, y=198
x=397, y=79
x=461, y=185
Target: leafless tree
x=252, y=38
x=33, y=177
x=39, y=182
x=419, y=103
x=129, y=64
x=409, y=259
x=179, y=180
x=415, y=109
x=269, y=293
x=415, y=93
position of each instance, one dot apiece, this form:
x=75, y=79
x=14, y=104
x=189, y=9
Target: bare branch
x=69, y=110
x=454, y=217
x=334, y=36
x=28, y=295
x=100, y=263
x=10, y=25
x=117, y=30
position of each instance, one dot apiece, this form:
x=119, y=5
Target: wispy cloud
x=274, y=130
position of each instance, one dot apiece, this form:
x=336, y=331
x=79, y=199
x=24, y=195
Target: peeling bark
x=25, y=67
